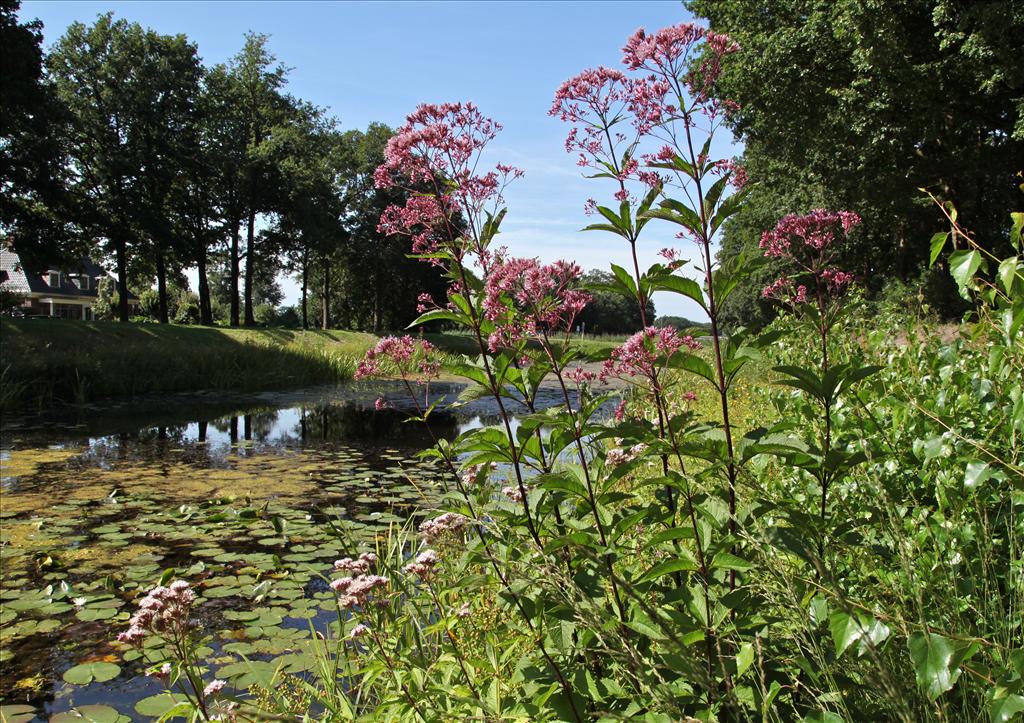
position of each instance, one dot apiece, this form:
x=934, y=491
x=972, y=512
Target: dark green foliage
x=857, y=106
x=32, y=175
x=608, y=312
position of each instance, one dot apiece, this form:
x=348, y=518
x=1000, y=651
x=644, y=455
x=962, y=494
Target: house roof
x=27, y=282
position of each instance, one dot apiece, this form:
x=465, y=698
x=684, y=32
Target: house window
x=54, y=281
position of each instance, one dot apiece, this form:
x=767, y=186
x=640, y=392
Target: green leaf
x=976, y=473
x=685, y=562
x=1017, y=219
x=744, y=658
x=88, y=672
x=625, y=278
x=1006, y=709
x=18, y=713
x=1008, y=273
x=845, y=630
x=435, y=315
x=156, y=705
x=728, y=561
x=823, y=716
x=962, y=267
x=932, y=656
x=90, y=713
x=938, y=243
x=680, y=285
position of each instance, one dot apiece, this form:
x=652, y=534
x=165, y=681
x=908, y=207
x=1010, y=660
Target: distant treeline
x=121, y=145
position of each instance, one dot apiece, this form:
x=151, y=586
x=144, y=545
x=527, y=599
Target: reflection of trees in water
x=351, y=422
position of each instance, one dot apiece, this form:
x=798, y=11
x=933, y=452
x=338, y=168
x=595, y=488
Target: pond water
x=242, y=494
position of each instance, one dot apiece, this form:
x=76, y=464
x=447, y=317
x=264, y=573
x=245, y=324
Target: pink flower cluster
x=424, y=565
x=808, y=242
x=816, y=230
x=667, y=53
x=358, y=566
x=737, y=173
x=674, y=88
x=164, y=611
x=434, y=157
x=515, y=493
x=522, y=296
x=410, y=356
x=357, y=591
x=471, y=473
x=645, y=352
x=449, y=523
x=579, y=375
x=617, y=455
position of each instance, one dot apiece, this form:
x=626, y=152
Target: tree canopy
x=858, y=105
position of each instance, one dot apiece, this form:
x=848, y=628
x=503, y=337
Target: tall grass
x=50, y=361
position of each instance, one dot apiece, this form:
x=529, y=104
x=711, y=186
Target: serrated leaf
x=962, y=267
x=744, y=658
x=975, y=473
x=1006, y=709
x=932, y=656
x=728, y=561
x=685, y=562
x=937, y=243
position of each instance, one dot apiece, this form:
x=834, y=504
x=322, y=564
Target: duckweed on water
x=89, y=528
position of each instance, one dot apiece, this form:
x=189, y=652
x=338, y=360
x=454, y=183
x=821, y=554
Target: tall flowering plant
x=811, y=288
x=559, y=516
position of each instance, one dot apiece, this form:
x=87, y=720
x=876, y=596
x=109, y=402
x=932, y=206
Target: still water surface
x=241, y=494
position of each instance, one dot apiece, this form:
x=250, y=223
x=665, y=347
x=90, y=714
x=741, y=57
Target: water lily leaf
x=91, y=614
x=89, y=672
x=17, y=713
x=92, y=714
x=155, y=706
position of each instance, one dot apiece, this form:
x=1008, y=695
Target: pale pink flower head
x=423, y=566
x=646, y=352
x=522, y=297
x=164, y=611
x=580, y=376
x=214, y=687
x=410, y=358
x=809, y=243
x=816, y=231
x=447, y=524
x=435, y=157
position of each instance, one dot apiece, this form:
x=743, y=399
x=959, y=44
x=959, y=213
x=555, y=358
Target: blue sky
x=375, y=61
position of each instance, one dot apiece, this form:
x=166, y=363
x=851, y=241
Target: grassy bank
x=45, y=361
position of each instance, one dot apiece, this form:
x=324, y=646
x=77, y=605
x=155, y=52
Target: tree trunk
x=122, y=279
x=161, y=286
x=205, y=306
x=235, y=229
x=305, y=287
x=325, y=296
x=376, y=308
x=250, y=264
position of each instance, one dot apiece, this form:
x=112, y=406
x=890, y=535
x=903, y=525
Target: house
x=68, y=293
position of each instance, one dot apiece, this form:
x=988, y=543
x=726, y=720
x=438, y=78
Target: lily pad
x=17, y=713
x=88, y=672
x=155, y=706
x=91, y=714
